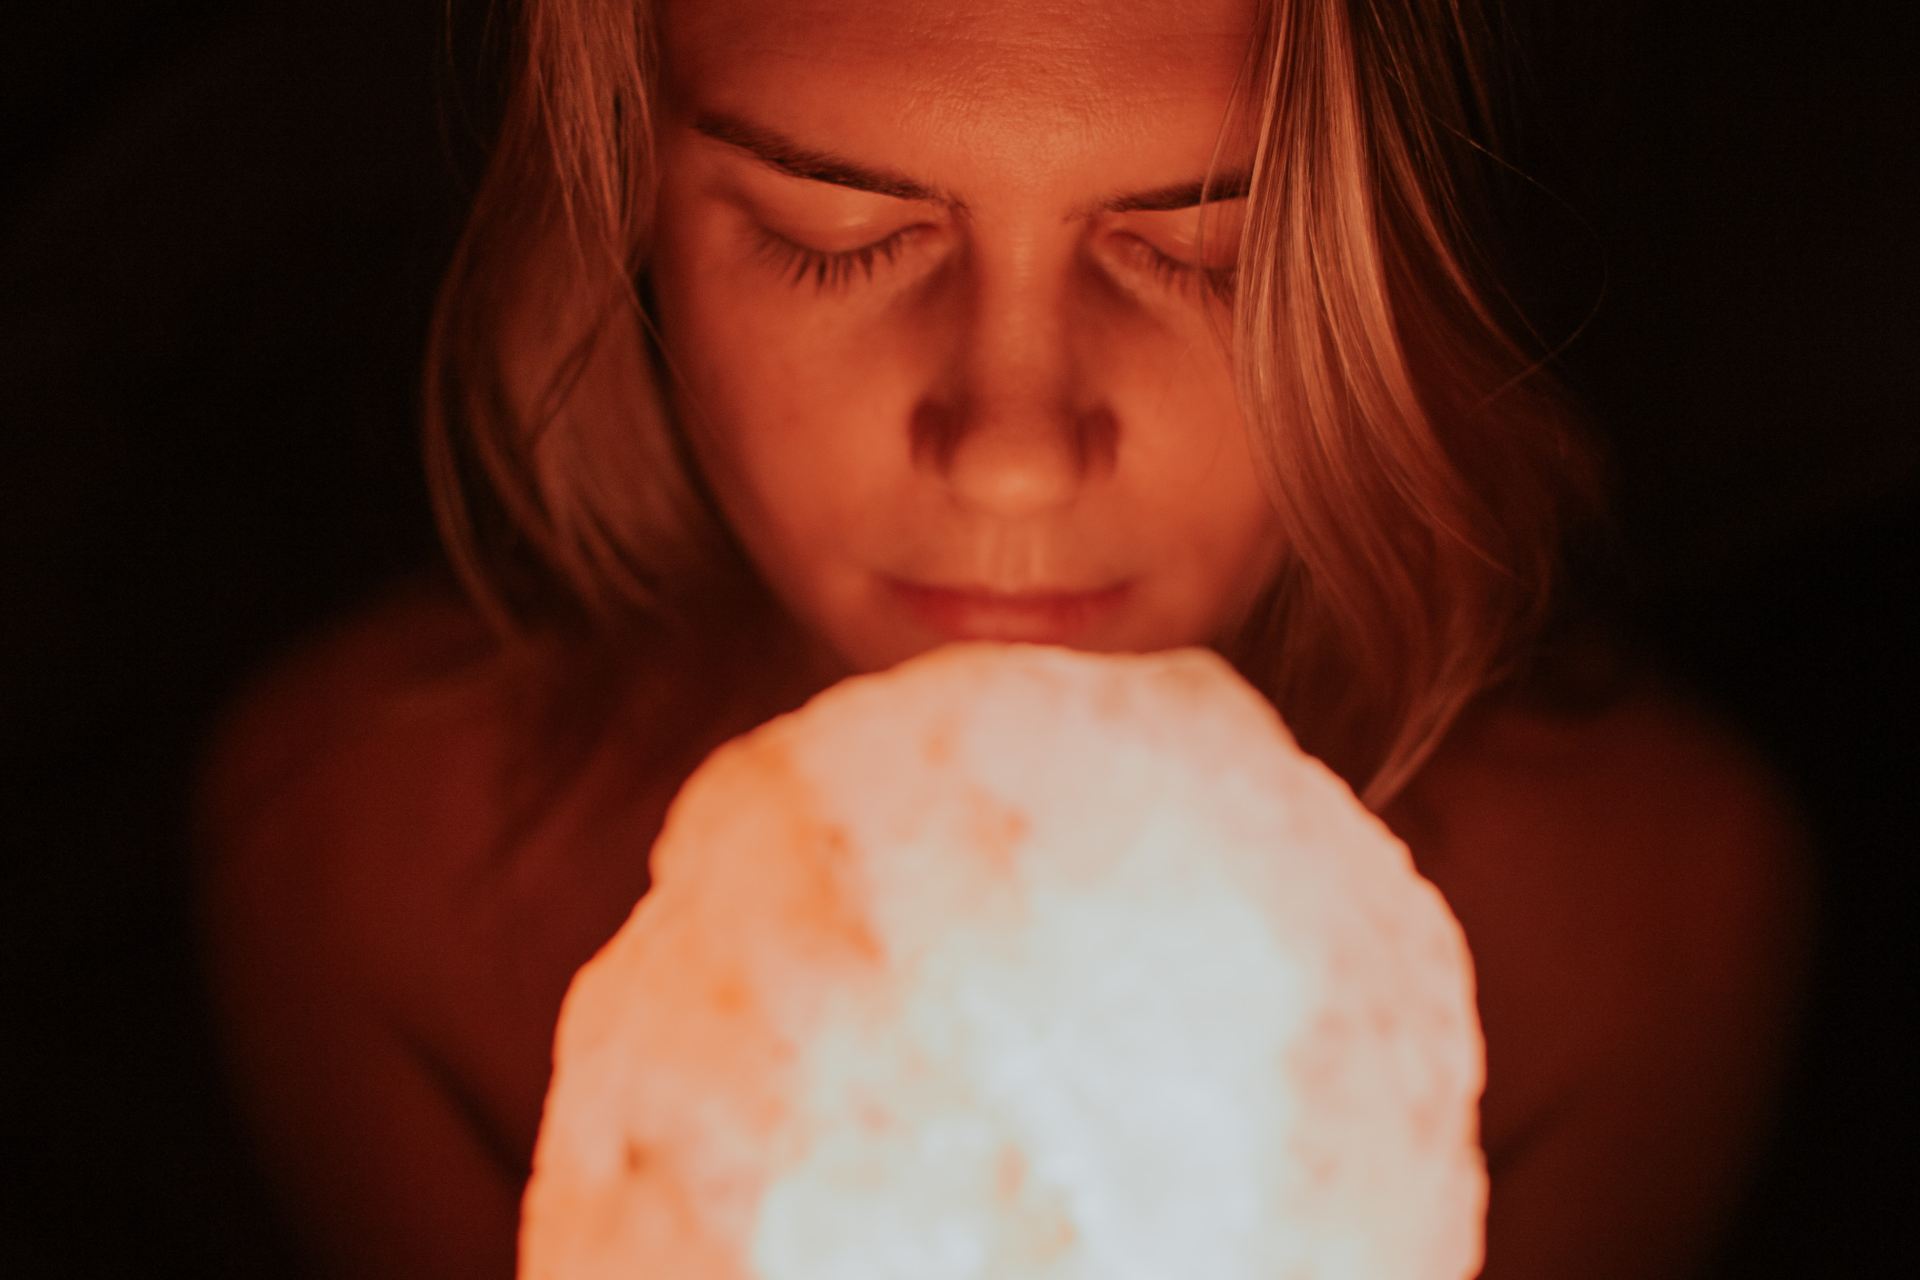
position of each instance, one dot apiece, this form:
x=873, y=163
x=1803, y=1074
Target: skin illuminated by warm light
x=1011, y=379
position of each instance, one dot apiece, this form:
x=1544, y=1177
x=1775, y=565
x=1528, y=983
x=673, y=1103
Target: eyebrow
x=781, y=153
x=1181, y=195
x=777, y=151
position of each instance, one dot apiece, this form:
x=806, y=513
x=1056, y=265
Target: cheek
x=790, y=431
x=737, y=375
x=1197, y=477
x=1192, y=451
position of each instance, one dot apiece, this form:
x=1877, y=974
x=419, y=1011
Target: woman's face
x=933, y=281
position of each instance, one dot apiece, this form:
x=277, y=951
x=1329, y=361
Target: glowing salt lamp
x=1019, y=962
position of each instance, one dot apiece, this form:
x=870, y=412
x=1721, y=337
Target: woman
x=791, y=338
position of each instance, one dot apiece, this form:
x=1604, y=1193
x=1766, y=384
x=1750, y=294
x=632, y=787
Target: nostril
x=934, y=433
x=1096, y=440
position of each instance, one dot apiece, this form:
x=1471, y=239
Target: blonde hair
x=1423, y=472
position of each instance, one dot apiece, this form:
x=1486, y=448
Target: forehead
x=1091, y=66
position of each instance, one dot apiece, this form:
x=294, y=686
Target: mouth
x=1036, y=617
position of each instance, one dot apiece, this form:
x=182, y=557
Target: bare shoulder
x=343, y=805
x=407, y=829
x=388, y=720
x=391, y=799
x=1649, y=805
x=404, y=694
x=1636, y=887
x=347, y=809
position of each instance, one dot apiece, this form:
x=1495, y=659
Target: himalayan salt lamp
x=1017, y=962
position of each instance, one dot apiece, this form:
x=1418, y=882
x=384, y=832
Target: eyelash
x=834, y=272
x=1182, y=277
x=829, y=272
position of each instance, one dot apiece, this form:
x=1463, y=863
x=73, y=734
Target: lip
x=1037, y=617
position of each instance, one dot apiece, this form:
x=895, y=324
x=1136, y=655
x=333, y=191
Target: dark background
x=220, y=228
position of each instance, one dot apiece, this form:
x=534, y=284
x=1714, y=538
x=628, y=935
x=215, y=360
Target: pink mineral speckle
x=1101, y=977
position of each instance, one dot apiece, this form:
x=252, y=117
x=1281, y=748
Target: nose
x=1016, y=425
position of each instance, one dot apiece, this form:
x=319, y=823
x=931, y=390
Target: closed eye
x=829, y=272
x=1171, y=273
